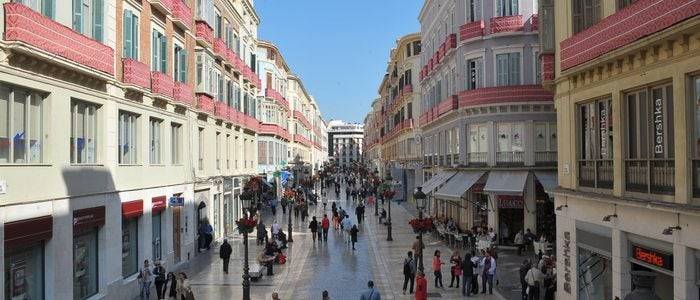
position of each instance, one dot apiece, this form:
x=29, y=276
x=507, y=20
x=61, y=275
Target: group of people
x=168, y=285
x=538, y=279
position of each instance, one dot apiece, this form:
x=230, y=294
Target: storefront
x=653, y=256
x=510, y=208
x=594, y=257
x=131, y=212
x=24, y=257
x=86, y=225
x=176, y=203
x=158, y=205
x=455, y=194
x=429, y=188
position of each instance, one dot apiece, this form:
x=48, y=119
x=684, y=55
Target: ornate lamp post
x=247, y=203
x=289, y=221
x=420, y=198
x=388, y=194
x=376, y=195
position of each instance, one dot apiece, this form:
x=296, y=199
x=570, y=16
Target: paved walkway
x=333, y=266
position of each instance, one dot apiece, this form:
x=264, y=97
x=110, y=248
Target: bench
x=256, y=272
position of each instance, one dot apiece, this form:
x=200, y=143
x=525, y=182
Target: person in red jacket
x=325, y=225
x=421, y=286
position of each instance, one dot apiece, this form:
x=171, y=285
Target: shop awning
x=548, y=180
x=437, y=180
x=506, y=182
x=458, y=185
x=132, y=209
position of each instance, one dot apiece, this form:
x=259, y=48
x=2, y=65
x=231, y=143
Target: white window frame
x=155, y=141
x=27, y=159
x=156, y=66
x=88, y=132
x=175, y=143
x=128, y=123
x=504, y=50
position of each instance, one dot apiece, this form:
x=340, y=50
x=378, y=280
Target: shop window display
x=24, y=273
x=85, y=264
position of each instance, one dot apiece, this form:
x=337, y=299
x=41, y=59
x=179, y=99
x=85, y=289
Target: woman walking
x=353, y=235
x=313, y=225
x=437, y=269
x=456, y=269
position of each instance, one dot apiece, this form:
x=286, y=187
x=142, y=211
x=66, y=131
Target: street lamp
x=420, y=198
x=376, y=195
x=388, y=196
x=289, y=220
x=247, y=203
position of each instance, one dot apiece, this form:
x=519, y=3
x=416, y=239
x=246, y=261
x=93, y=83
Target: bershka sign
x=658, y=127
x=653, y=257
x=567, y=261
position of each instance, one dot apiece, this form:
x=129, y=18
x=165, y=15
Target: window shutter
x=514, y=66
x=154, y=53
x=479, y=82
x=98, y=19
x=514, y=7
x=47, y=8
x=135, y=36
x=128, y=31
x=183, y=66
x=477, y=8
x=78, y=15
x=499, y=8
x=163, y=54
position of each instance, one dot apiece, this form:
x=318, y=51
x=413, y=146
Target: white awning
x=458, y=185
x=548, y=180
x=506, y=182
x=437, y=180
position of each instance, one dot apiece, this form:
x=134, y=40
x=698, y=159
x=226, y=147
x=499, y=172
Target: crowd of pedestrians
x=168, y=285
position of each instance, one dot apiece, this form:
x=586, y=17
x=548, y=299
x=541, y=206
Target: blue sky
x=339, y=48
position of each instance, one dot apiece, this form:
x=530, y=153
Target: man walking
x=409, y=272
x=313, y=226
x=225, y=254
x=325, y=225
x=145, y=278
x=275, y=230
x=489, y=270
x=371, y=293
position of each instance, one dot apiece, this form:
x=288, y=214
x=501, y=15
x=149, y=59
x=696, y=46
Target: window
x=624, y=3
x=206, y=11
x=416, y=47
x=130, y=260
x=180, y=64
x=538, y=68
x=200, y=148
x=218, y=150
x=131, y=35
x=159, y=52
x=154, y=141
x=24, y=269
x=156, y=220
x=473, y=12
x=408, y=50
x=218, y=26
x=128, y=141
x=206, y=75
x=545, y=137
x=506, y=8
x=478, y=142
x=585, y=13
x=228, y=151
x=175, y=143
x=45, y=7
x=21, y=129
x=262, y=155
x=510, y=137
x=83, y=138
x=474, y=73
x=85, y=275
x=88, y=18
x=508, y=69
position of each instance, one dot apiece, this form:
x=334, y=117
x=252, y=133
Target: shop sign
x=89, y=217
x=176, y=201
x=603, y=130
x=659, y=127
x=567, y=261
x=652, y=257
x=510, y=202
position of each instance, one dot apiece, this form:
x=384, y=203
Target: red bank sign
x=652, y=257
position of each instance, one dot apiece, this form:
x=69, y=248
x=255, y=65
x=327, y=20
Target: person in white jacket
x=534, y=279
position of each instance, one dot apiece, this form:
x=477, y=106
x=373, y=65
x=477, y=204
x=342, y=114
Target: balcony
x=182, y=15
x=471, y=30
x=162, y=85
x=302, y=140
x=164, y=6
x=221, y=110
x=652, y=176
x=545, y=158
x=205, y=103
x=451, y=42
x=204, y=33
x=504, y=94
x=272, y=94
x=637, y=20
x=28, y=31
x=407, y=89
x=510, y=158
x=220, y=48
x=477, y=158
x=534, y=25
x=182, y=93
x=299, y=116
x=136, y=74
x=233, y=116
x=595, y=173
x=507, y=24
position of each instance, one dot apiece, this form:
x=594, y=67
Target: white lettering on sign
x=567, y=261
x=658, y=127
x=76, y=220
x=603, y=131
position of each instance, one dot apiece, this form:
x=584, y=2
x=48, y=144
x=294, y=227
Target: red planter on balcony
x=451, y=42
x=136, y=73
x=507, y=24
x=182, y=93
x=471, y=30
x=504, y=94
x=220, y=48
x=182, y=15
x=204, y=33
x=205, y=103
x=221, y=110
x=407, y=89
x=161, y=85
x=26, y=26
x=639, y=19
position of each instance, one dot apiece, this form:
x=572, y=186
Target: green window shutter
x=514, y=7
x=183, y=66
x=163, y=53
x=47, y=8
x=514, y=69
x=98, y=19
x=135, y=36
x=128, y=31
x=78, y=15
x=154, y=53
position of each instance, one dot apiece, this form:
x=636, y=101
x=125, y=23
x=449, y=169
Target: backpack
x=407, y=269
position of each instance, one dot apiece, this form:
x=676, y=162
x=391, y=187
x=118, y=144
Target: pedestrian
x=145, y=277
x=409, y=272
x=261, y=233
x=225, y=254
x=358, y=214
x=353, y=235
x=304, y=212
x=273, y=206
x=519, y=241
x=456, y=268
x=371, y=293
x=325, y=225
x=489, y=271
x=347, y=226
x=275, y=296
x=313, y=226
x=418, y=247
x=324, y=200
x=284, y=206
x=275, y=229
x=325, y=296
x=160, y=279
x=478, y=268
x=468, y=271
x=437, y=269
x=524, y=268
x=421, y=286
x=172, y=290
x=534, y=278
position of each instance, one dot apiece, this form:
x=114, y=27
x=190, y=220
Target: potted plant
x=421, y=225
x=246, y=224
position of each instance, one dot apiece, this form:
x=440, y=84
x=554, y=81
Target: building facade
x=487, y=127
x=626, y=78
x=345, y=143
x=305, y=126
x=372, y=139
x=159, y=103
